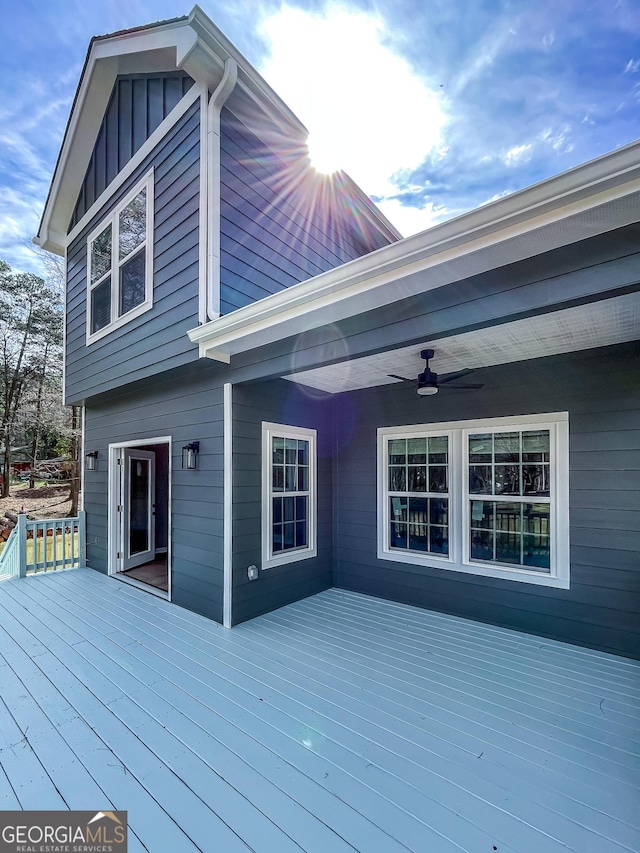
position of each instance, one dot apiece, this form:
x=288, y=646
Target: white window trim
x=458, y=559
x=270, y=431
x=113, y=220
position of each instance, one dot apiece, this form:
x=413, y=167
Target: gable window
x=288, y=494
x=120, y=263
x=488, y=498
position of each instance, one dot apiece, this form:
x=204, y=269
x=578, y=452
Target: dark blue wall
x=281, y=222
x=187, y=406
x=601, y=391
x=284, y=403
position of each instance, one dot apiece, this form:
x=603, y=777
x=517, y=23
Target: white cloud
x=632, y=66
x=496, y=197
x=487, y=51
x=518, y=155
x=366, y=109
x=559, y=139
x=18, y=221
x=548, y=39
x=412, y=220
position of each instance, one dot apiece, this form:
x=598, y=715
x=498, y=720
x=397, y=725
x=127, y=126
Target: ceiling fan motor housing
x=427, y=380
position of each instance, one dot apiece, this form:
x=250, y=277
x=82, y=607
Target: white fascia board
x=249, y=80
x=362, y=284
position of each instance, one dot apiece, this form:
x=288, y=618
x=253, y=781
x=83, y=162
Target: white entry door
x=138, y=508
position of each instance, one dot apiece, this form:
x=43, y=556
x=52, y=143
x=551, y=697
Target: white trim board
x=112, y=502
x=227, y=600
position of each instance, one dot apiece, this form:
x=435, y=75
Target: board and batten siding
x=157, y=340
x=283, y=403
x=281, y=222
x=601, y=391
x=188, y=406
x=138, y=104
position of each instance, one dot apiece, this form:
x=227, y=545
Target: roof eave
x=193, y=44
x=362, y=284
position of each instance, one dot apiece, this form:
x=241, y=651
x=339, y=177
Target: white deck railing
x=10, y=556
x=42, y=546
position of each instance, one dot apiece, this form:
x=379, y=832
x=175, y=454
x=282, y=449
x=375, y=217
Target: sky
x=434, y=107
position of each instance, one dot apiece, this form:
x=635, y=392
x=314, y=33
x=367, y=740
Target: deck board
x=339, y=723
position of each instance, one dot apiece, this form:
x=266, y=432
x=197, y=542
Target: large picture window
x=119, y=263
x=489, y=498
x=288, y=494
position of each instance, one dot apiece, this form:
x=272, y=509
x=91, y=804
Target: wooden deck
x=339, y=723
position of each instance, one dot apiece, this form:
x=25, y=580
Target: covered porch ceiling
x=597, y=324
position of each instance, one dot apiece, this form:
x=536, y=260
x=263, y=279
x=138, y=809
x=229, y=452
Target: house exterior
x=239, y=330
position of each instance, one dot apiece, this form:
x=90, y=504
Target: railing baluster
x=67, y=534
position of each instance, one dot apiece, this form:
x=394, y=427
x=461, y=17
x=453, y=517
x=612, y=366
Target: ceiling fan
x=429, y=383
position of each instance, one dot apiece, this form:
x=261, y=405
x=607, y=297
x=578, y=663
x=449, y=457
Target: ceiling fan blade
x=451, y=377
x=402, y=378
x=462, y=387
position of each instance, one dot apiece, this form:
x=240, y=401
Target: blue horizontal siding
x=186, y=407
x=601, y=608
x=281, y=222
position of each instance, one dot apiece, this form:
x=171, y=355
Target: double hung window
x=489, y=498
x=288, y=494
x=120, y=262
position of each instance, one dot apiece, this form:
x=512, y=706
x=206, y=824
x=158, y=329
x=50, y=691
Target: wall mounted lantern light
x=91, y=460
x=190, y=455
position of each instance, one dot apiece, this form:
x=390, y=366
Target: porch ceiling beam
x=461, y=307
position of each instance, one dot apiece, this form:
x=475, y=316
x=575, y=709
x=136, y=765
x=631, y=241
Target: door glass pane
x=101, y=255
x=101, y=305
x=132, y=283
x=139, y=506
x=133, y=224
